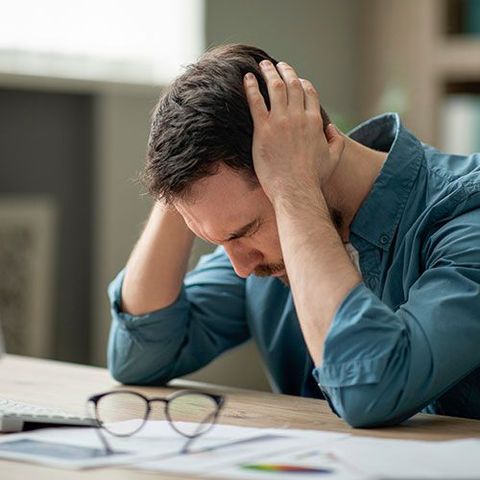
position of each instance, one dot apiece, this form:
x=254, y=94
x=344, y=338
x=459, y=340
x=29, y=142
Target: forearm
x=157, y=265
x=207, y=318
x=320, y=271
x=293, y=160
x=145, y=349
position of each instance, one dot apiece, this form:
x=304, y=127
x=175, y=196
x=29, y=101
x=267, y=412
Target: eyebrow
x=242, y=230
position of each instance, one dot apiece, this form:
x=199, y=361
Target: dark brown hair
x=202, y=120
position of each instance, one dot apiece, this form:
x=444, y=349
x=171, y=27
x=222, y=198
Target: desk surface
x=66, y=386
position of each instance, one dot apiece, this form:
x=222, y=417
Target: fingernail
x=265, y=63
x=248, y=76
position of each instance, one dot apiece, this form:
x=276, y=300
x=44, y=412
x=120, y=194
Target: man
x=353, y=261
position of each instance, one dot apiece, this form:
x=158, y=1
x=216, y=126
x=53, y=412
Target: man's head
x=199, y=158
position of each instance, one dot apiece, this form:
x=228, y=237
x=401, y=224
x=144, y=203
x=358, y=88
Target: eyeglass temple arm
x=98, y=428
x=190, y=440
x=101, y=436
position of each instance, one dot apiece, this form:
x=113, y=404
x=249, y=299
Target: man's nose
x=243, y=261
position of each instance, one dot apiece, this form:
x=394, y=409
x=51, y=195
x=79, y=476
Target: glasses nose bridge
x=156, y=412
x=157, y=400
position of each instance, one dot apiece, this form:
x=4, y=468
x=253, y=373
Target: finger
x=255, y=99
x=330, y=133
x=336, y=141
x=312, y=103
x=277, y=90
x=295, y=93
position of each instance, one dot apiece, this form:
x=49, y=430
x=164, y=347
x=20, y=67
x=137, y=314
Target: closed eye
x=247, y=231
x=254, y=231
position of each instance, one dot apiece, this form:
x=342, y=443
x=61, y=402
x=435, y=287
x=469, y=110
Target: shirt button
x=384, y=239
x=372, y=283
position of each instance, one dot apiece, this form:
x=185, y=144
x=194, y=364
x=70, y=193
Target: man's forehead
x=226, y=192
x=225, y=183
x=215, y=221
x=219, y=205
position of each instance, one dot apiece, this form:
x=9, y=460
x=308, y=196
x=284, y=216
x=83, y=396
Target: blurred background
x=78, y=82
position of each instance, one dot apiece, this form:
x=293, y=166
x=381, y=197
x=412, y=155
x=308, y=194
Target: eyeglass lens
x=192, y=407
x=124, y=413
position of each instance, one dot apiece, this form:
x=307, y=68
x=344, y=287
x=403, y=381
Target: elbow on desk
x=357, y=418
x=134, y=370
x=361, y=408
x=121, y=371
x=119, y=364
x=127, y=374
x=121, y=375
x=130, y=364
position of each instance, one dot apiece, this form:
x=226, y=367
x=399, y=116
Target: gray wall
x=46, y=148
x=318, y=37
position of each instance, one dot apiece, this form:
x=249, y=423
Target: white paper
x=259, y=446
x=226, y=451
x=295, y=455
x=143, y=445
x=155, y=440
x=408, y=459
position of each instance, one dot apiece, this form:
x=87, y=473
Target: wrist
x=167, y=216
x=295, y=201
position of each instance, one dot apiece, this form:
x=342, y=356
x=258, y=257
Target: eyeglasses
x=111, y=409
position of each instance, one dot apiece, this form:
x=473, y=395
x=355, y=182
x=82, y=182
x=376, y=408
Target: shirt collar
x=377, y=219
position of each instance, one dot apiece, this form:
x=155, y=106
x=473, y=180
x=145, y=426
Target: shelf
x=462, y=87
x=458, y=58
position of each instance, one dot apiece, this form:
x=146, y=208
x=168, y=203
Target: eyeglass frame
x=94, y=399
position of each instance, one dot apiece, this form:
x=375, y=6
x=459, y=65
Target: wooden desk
x=66, y=386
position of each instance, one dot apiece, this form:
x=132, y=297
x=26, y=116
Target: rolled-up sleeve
x=381, y=366
x=207, y=318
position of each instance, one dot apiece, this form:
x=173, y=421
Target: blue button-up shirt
x=406, y=339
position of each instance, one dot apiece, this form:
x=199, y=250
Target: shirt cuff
x=153, y=326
